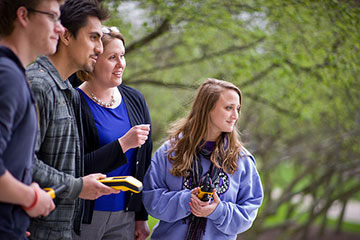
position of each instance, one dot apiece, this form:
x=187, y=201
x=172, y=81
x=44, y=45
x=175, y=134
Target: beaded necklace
x=98, y=100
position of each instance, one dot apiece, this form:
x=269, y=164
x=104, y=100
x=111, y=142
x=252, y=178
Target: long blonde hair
x=187, y=134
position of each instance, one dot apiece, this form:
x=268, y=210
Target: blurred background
x=297, y=63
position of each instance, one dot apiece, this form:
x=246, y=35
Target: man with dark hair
x=28, y=28
x=59, y=150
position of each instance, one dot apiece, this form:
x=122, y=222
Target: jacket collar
x=7, y=52
x=53, y=72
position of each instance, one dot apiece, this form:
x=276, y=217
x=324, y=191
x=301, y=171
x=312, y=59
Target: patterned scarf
x=197, y=225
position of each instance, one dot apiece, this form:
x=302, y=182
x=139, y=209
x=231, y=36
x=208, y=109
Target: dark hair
x=8, y=10
x=75, y=13
x=106, y=39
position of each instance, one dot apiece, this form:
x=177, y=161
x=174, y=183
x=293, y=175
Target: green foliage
x=297, y=63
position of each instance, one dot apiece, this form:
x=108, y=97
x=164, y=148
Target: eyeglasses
x=53, y=16
x=107, y=30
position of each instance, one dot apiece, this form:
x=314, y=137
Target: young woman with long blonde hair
x=202, y=183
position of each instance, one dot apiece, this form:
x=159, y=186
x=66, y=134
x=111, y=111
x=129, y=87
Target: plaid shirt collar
x=47, y=64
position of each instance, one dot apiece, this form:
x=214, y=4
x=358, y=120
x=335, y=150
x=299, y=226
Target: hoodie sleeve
x=163, y=197
x=234, y=217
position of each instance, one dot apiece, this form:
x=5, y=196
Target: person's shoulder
x=246, y=156
x=35, y=70
x=38, y=76
x=6, y=63
x=12, y=77
x=130, y=91
x=166, y=145
x=164, y=148
x=9, y=67
x=161, y=154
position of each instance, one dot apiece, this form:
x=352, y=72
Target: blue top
x=18, y=128
x=111, y=124
x=167, y=198
x=138, y=114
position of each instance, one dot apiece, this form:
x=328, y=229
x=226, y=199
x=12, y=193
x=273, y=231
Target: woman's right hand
x=200, y=208
x=135, y=137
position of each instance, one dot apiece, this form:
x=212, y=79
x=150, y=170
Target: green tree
x=297, y=63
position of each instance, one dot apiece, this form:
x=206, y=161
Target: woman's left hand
x=200, y=208
x=135, y=137
x=142, y=230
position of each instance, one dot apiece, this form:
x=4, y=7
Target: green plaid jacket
x=58, y=148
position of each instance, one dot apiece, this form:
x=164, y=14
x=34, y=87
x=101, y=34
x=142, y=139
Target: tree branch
x=163, y=27
x=200, y=59
x=260, y=75
x=161, y=84
x=272, y=105
x=325, y=62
